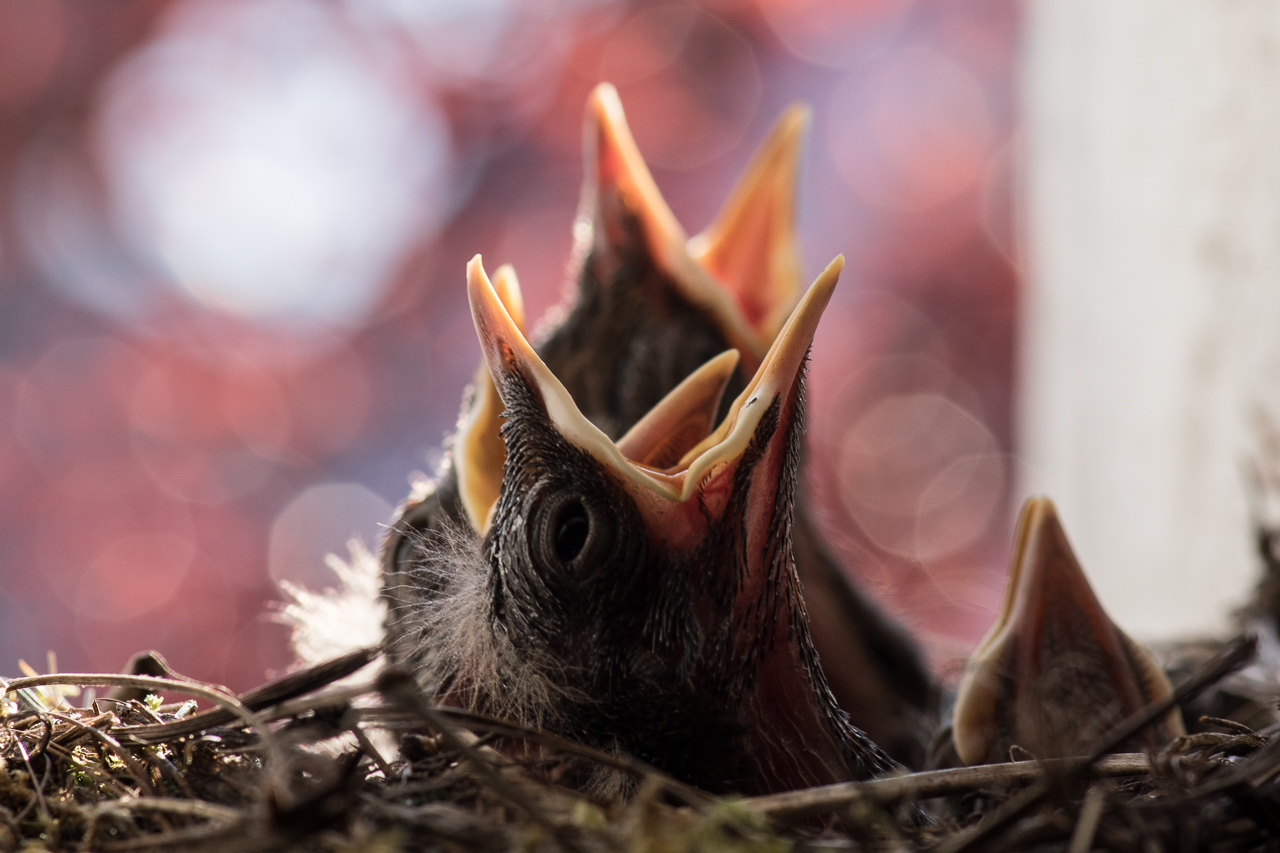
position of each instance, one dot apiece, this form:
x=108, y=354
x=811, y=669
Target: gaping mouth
x=642, y=459
x=743, y=271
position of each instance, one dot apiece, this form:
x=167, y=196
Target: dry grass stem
x=296, y=766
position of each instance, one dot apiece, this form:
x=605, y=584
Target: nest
x=308, y=763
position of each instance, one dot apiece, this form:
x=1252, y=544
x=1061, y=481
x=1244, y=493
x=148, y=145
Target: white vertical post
x=1151, y=325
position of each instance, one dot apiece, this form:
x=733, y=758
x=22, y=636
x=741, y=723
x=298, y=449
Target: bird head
x=651, y=305
x=649, y=308
x=655, y=571
x=1054, y=673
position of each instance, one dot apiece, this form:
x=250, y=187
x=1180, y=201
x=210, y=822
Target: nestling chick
x=641, y=595
x=652, y=306
x=1053, y=673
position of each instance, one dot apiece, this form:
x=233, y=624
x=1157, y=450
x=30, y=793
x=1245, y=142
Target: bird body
x=654, y=610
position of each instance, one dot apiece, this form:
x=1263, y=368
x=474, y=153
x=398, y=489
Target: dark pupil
x=571, y=532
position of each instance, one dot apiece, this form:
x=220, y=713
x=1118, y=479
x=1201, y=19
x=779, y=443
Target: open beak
x=750, y=248
x=479, y=452
x=685, y=417
x=671, y=455
x=1053, y=673
x=743, y=271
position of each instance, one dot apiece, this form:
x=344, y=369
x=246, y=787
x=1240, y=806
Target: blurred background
x=232, y=308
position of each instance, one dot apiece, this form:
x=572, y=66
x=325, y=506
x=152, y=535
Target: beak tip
x=602, y=93
x=477, y=281
x=826, y=282
x=796, y=119
x=726, y=362
x=604, y=107
x=1041, y=512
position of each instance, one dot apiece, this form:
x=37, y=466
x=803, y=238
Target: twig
x=172, y=805
x=102, y=776
x=928, y=785
x=37, y=788
x=188, y=838
x=138, y=771
x=276, y=693
x=400, y=687
x=205, y=720
x=178, y=839
x=351, y=722
x=474, y=722
x=73, y=733
x=224, y=700
x=166, y=805
x=1254, y=771
x=334, y=698
x=1088, y=819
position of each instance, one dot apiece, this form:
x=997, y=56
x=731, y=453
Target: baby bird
x=640, y=594
x=1054, y=673
x=651, y=306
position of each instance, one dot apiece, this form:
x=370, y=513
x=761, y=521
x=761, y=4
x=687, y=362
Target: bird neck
x=799, y=736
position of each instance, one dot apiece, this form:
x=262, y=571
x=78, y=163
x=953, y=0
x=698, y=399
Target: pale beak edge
x=506, y=351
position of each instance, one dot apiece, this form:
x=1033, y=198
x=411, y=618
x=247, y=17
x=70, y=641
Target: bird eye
x=572, y=530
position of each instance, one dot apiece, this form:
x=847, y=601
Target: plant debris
x=309, y=762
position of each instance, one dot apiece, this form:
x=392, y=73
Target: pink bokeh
x=214, y=302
